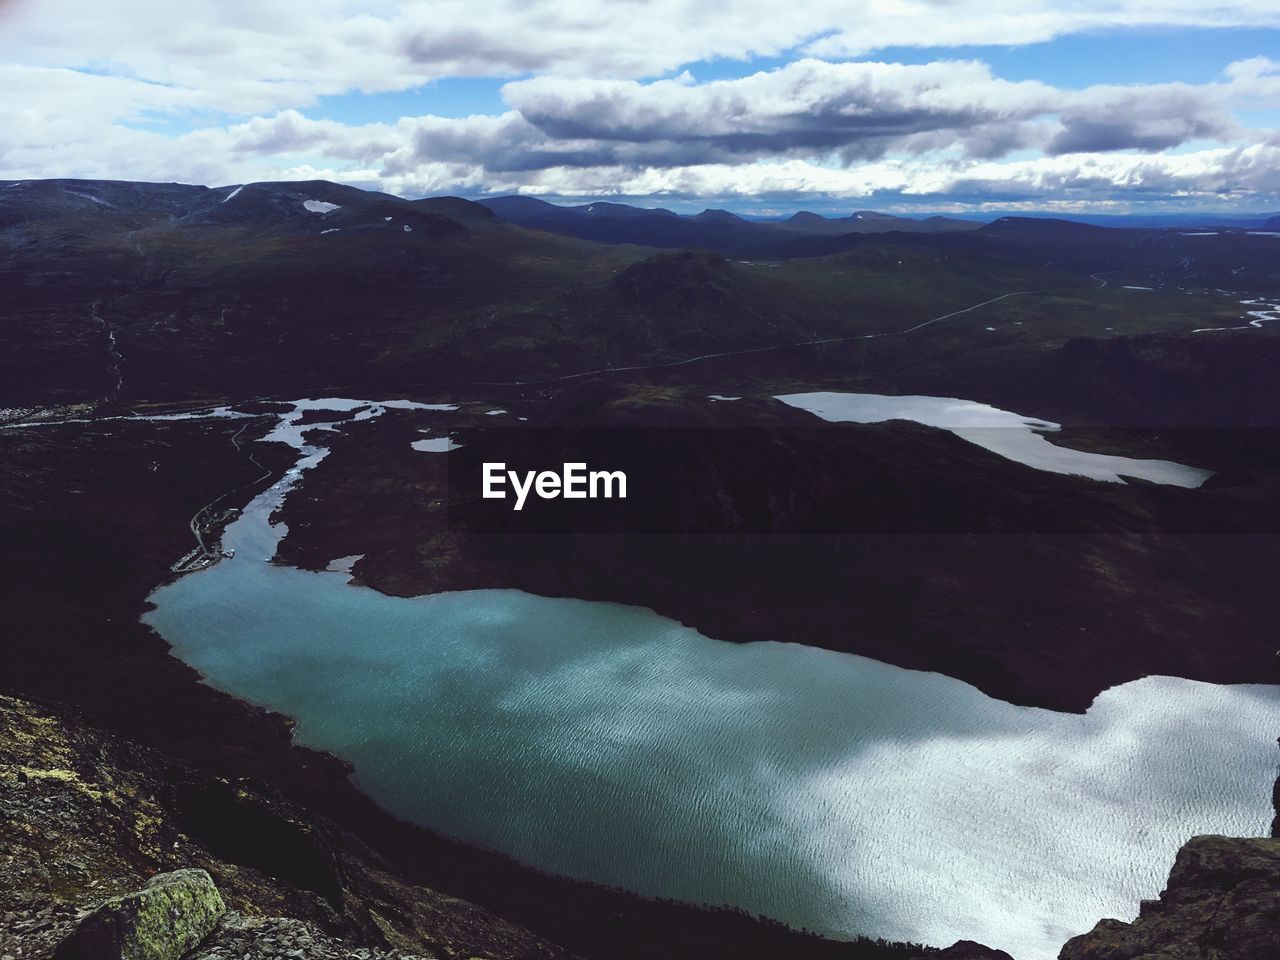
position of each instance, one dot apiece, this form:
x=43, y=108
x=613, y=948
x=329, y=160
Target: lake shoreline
x=97, y=660
x=930, y=596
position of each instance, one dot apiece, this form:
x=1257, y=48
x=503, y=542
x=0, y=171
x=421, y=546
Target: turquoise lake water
x=829, y=791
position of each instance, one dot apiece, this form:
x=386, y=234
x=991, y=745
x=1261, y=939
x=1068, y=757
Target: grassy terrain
x=256, y=296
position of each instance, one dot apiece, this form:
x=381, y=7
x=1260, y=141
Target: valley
x=823, y=569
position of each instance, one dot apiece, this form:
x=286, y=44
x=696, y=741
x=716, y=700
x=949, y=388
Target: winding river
x=829, y=791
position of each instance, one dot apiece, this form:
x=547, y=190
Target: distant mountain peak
x=456, y=208
x=721, y=215
x=1038, y=225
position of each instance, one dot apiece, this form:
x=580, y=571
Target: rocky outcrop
x=239, y=937
x=966, y=950
x=87, y=817
x=169, y=916
x=1222, y=903
x=181, y=913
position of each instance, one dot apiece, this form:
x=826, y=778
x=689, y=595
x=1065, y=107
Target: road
x=201, y=555
x=745, y=352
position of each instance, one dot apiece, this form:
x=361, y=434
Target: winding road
x=749, y=350
x=201, y=555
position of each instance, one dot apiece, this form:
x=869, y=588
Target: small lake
x=1010, y=435
x=829, y=791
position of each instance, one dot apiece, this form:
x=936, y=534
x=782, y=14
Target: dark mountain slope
x=181, y=292
x=1233, y=260
x=687, y=302
x=88, y=814
x=456, y=208
x=715, y=230
x=171, y=292
x=250, y=289
x=871, y=221
x=723, y=215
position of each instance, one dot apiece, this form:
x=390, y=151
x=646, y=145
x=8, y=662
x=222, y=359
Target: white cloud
x=885, y=23
x=1219, y=173
x=86, y=85
x=247, y=58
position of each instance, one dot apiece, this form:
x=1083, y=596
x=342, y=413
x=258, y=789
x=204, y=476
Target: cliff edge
x=1222, y=903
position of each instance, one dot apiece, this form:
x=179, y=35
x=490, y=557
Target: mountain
x=802, y=234
x=1165, y=221
x=1150, y=258
x=203, y=291
x=208, y=291
x=723, y=216
x=120, y=290
x=90, y=207
x=267, y=282
x=870, y=221
x=804, y=220
x=456, y=208
x=620, y=223
x=1041, y=226
x=525, y=210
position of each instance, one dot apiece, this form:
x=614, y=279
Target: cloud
x=860, y=109
x=866, y=110
x=842, y=114
x=1214, y=174
x=1222, y=177
x=874, y=25
x=274, y=54
x=1153, y=119
x=98, y=92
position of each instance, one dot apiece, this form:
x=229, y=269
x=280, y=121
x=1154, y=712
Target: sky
x=962, y=106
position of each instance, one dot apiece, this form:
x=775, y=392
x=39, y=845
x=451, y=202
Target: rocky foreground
x=87, y=819
x=112, y=850
x=1222, y=903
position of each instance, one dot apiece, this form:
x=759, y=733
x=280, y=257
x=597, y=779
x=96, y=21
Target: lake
x=826, y=790
x=1010, y=435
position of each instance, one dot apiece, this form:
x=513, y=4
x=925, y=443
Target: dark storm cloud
x=1144, y=118
x=860, y=112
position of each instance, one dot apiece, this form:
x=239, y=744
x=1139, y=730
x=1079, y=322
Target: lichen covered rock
x=1222, y=903
x=168, y=917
